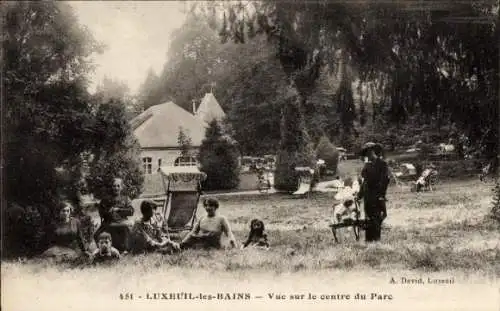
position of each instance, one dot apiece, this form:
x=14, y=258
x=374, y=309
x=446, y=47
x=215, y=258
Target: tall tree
x=50, y=118
x=47, y=112
x=47, y=116
x=149, y=92
x=415, y=52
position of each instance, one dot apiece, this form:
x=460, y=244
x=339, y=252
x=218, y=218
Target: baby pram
x=353, y=221
x=351, y=217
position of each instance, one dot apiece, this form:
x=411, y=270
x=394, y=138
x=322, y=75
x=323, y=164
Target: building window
x=147, y=165
x=185, y=161
x=159, y=163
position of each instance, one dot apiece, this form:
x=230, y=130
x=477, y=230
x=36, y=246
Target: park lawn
x=434, y=231
x=441, y=234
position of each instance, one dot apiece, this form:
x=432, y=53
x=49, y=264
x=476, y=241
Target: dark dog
x=257, y=237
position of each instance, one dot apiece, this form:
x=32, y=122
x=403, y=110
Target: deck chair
x=305, y=177
x=180, y=210
x=427, y=180
x=183, y=189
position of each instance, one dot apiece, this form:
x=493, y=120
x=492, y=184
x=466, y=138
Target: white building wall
x=153, y=183
x=167, y=157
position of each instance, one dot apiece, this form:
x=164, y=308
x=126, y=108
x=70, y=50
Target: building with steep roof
x=157, y=131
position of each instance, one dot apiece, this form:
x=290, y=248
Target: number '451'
x=126, y=296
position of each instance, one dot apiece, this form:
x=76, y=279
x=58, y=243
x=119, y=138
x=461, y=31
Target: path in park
x=320, y=187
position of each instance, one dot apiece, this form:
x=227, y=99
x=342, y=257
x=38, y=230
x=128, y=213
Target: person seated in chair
x=424, y=178
x=114, y=211
x=208, y=230
x=147, y=235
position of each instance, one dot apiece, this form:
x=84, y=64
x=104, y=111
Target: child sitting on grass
x=147, y=235
x=105, y=252
x=209, y=229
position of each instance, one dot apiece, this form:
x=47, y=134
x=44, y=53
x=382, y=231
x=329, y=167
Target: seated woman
x=66, y=237
x=208, y=230
x=114, y=212
x=147, y=235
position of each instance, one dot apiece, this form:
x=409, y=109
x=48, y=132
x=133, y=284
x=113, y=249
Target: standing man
x=114, y=211
x=373, y=190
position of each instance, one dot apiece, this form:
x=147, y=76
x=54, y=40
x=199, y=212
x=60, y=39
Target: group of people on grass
x=117, y=235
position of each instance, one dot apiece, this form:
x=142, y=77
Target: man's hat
x=376, y=147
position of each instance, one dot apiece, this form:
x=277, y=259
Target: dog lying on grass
x=257, y=238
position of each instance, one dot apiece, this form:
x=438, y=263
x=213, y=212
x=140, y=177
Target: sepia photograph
x=250, y=155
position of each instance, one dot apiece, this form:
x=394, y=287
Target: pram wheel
x=413, y=187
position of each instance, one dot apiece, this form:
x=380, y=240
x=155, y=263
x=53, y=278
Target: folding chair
x=183, y=189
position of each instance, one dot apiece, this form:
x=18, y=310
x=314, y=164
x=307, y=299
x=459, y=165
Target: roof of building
x=159, y=126
x=210, y=109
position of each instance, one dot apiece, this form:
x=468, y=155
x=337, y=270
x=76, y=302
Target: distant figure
x=373, y=190
x=208, y=230
x=105, y=252
x=424, y=180
x=114, y=211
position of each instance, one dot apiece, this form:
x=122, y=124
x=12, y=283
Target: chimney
x=194, y=106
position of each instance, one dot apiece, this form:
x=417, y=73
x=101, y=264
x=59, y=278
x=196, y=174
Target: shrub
x=219, y=159
x=185, y=143
x=426, y=150
x=286, y=179
x=295, y=146
x=116, y=155
x=125, y=165
x=327, y=151
x=24, y=230
x=457, y=168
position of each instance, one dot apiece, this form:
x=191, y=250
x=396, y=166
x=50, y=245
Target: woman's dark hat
x=376, y=147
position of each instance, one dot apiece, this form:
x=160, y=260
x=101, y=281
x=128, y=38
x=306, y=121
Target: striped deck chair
x=183, y=190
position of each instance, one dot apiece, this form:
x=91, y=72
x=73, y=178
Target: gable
x=158, y=126
x=210, y=109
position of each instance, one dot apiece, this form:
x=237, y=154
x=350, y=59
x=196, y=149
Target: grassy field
x=446, y=232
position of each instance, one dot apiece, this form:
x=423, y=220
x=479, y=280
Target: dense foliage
x=428, y=59
x=184, y=142
x=117, y=154
x=50, y=119
x=219, y=159
x=327, y=152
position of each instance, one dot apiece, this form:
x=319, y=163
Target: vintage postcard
x=250, y=155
